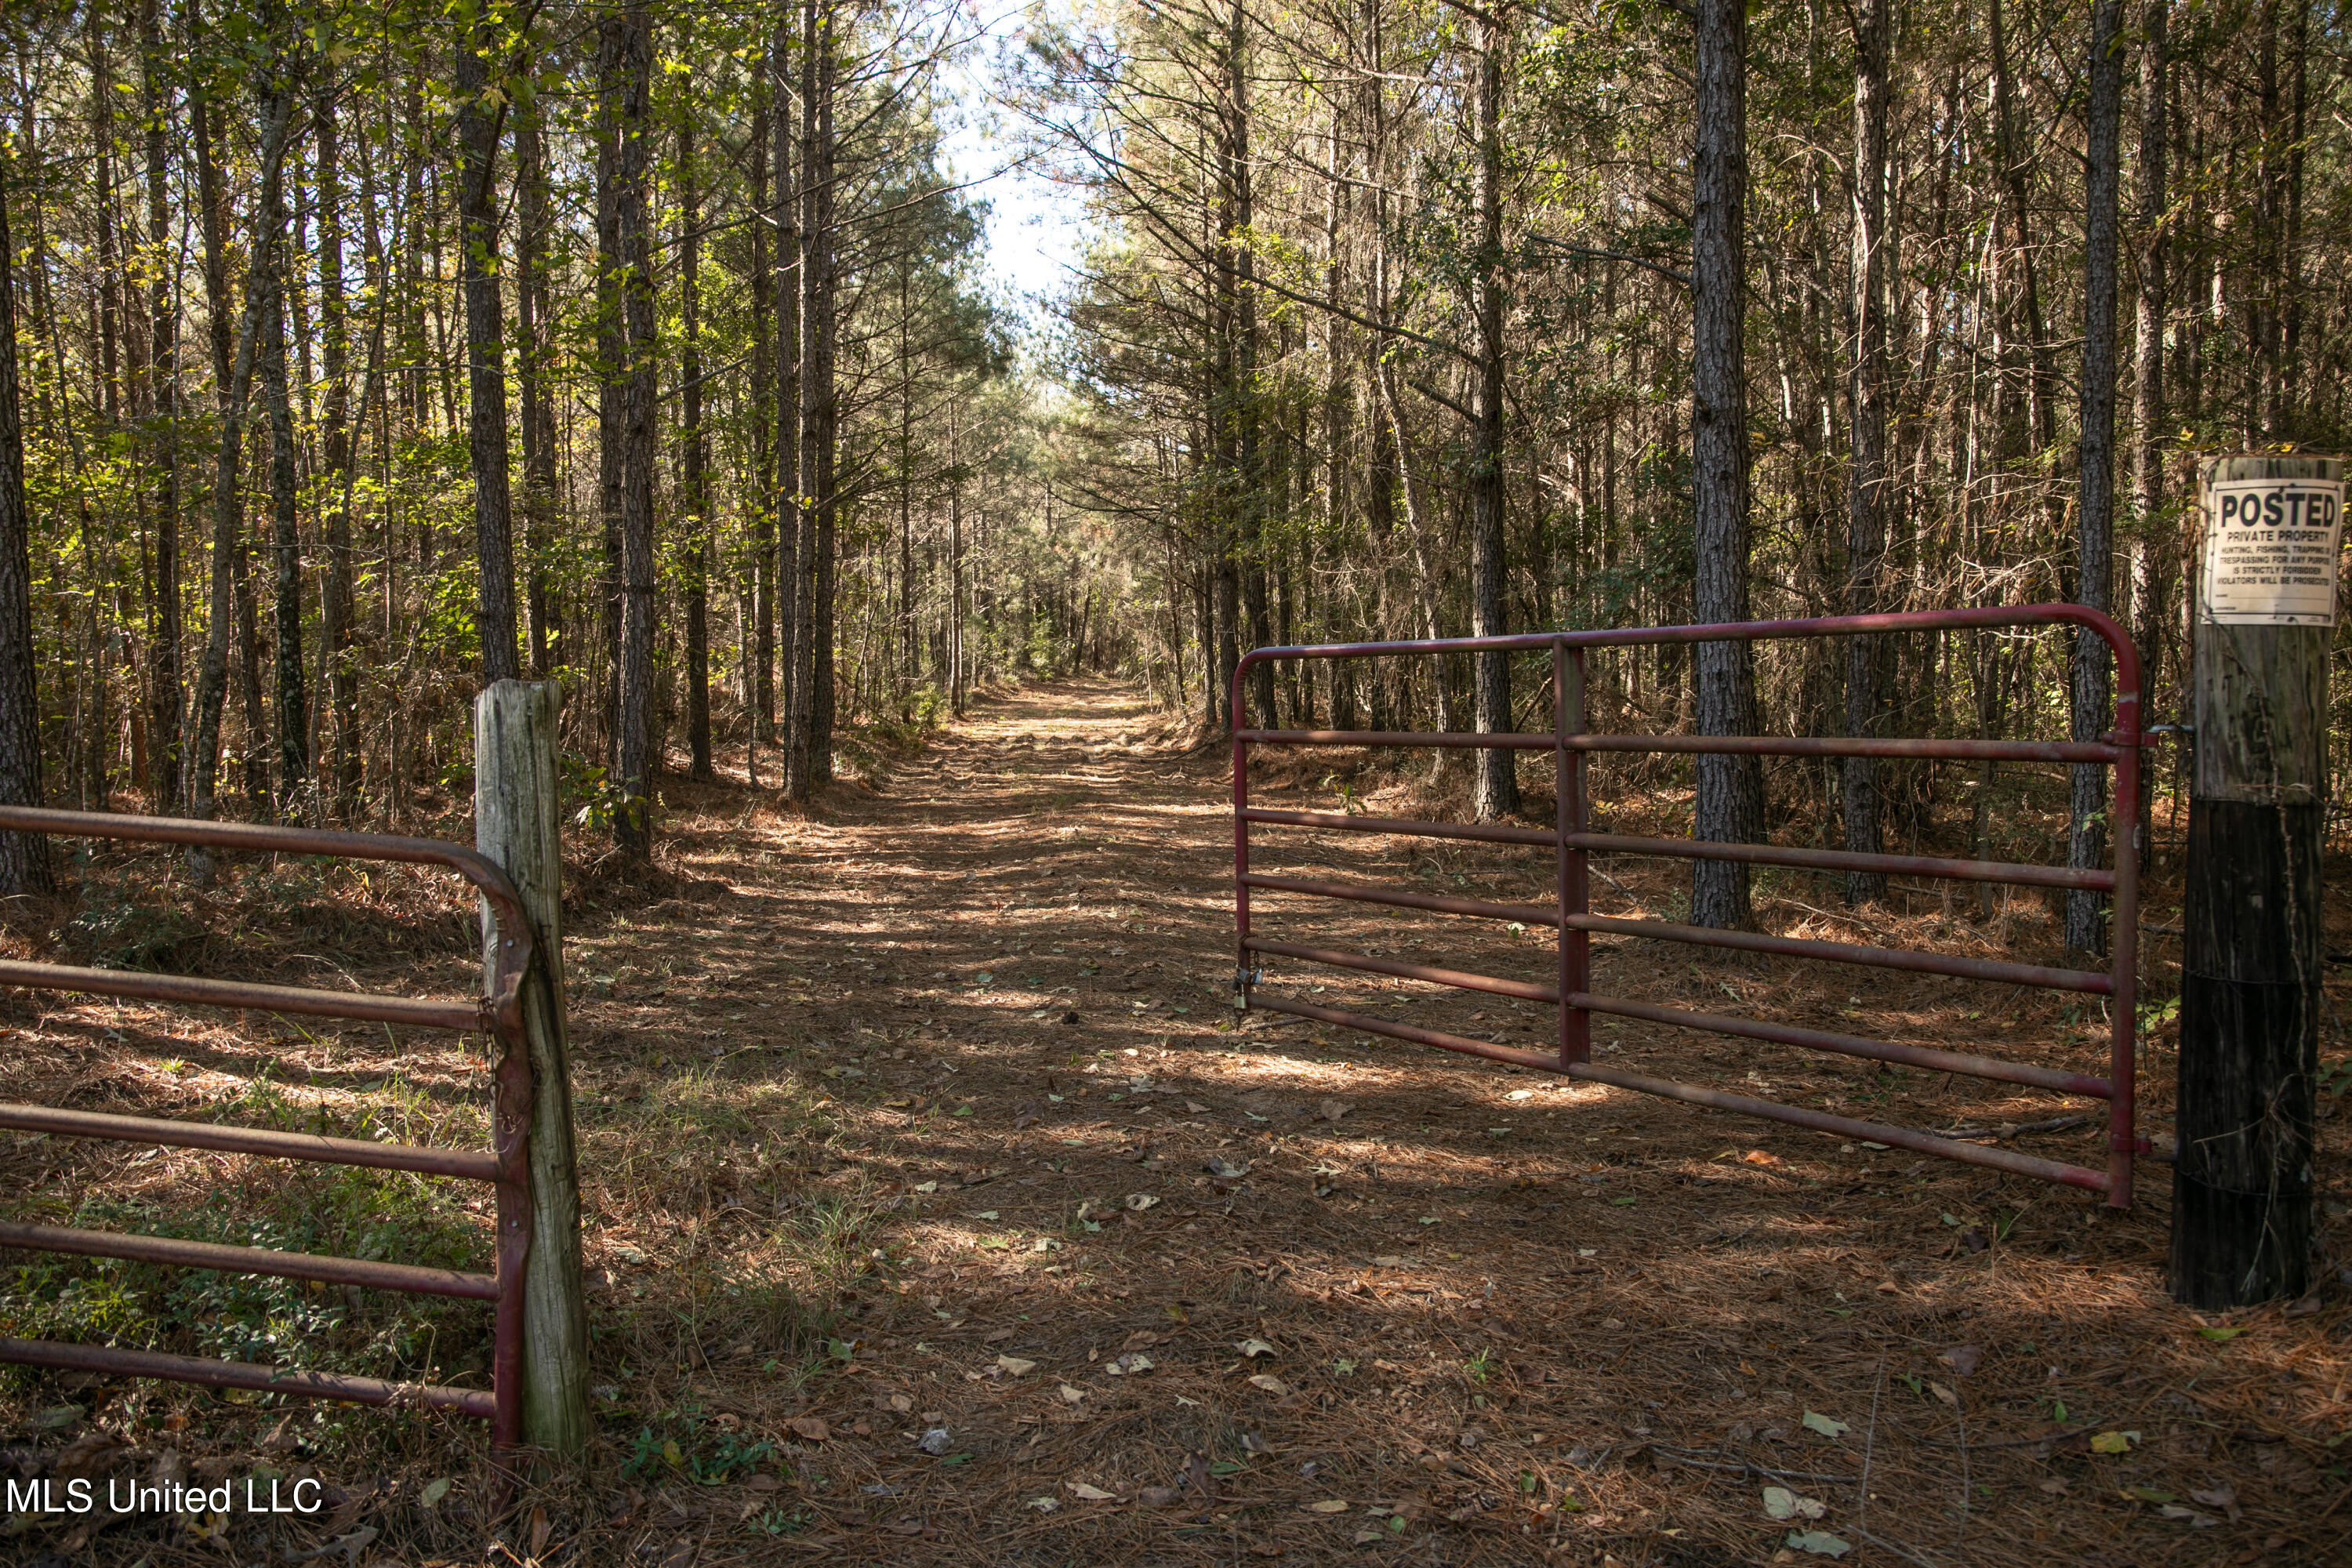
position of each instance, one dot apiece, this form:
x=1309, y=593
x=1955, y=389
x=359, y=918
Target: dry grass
x=871, y=1102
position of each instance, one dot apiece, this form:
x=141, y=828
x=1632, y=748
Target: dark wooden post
x=2241, y=1188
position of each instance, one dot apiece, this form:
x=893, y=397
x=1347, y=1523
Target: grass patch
x=374, y=1214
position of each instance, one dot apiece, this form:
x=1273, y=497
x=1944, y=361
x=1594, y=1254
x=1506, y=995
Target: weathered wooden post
x=2242, y=1185
x=517, y=818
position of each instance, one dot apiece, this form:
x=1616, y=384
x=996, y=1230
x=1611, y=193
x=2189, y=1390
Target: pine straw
x=1573, y=1326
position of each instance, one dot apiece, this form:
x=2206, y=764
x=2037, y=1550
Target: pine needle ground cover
x=939, y=1206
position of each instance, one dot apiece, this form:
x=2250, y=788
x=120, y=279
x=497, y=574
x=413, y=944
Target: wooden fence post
x=517, y=819
x=2250, y=999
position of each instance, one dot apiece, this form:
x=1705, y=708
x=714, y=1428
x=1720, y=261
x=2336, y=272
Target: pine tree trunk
x=626, y=42
x=2094, y=565
x=1867, y=479
x=1494, y=788
x=535, y=225
x=165, y=682
x=24, y=858
x=481, y=113
x=694, y=480
x=1730, y=805
x=820, y=398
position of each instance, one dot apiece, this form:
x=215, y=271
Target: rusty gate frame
x=1573, y=843
x=505, y=1165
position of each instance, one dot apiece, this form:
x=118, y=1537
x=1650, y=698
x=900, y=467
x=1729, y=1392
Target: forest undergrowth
x=939, y=1203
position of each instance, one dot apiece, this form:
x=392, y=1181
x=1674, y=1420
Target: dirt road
x=1115, y=1280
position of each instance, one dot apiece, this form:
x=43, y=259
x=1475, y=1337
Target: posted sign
x=2271, y=549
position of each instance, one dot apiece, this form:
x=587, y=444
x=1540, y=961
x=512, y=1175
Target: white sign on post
x=2271, y=549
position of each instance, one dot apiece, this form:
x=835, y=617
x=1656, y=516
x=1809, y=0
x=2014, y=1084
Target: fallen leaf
x=1254, y=1347
x=1138, y=1202
x=1816, y=1422
x=2114, y=1442
x=1045, y=1504
x=1759, y=1157
x=2222, y=1498
x=1333, y=1110
x=1132, y=1364
x=811, y=1428
x=1086, y=1493
x=2222, y=1336
x=935, y=1441
x=1779, y=1502
x=901, y=1403
x=1962, y=1359
x=1328, y=1505
x=1013, y=1366
x=1072, y=1395
x=1820, y=1542
x=1946, y=1395
x=1228, y=1170
x=1271, y=1384
x=435, y=1490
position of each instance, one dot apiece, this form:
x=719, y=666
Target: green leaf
x=435, y=1490
x=1820, y=1542
x=2220, y=1336
x=1817, y=1422
x=2114, y=1441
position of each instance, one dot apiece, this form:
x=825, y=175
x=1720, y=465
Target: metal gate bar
x=1572, y=843
x=505, y=1164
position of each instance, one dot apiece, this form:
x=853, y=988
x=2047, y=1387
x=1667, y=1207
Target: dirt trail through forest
x=939, y=1206
x=1143, y=1286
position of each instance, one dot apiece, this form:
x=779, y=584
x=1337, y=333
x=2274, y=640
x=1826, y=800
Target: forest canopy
x=365, y=352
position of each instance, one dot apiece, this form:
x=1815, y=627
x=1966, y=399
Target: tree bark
x=694, y=478
x=1495, y=786
x=24, y=866
x=293, y=709
x=2095, y=567
x=481, y=116
x=335, y=602
x=1730, y=805
x=536, y=223
x=626, y=63
x=165, y=683
x=820, y=398
x=2151, y=556
x=1866, y=479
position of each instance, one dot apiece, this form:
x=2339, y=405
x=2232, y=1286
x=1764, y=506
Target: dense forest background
x=364, y=353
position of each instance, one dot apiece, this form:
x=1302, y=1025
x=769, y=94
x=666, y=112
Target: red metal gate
x=1571, y=917
x=505, y=1166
